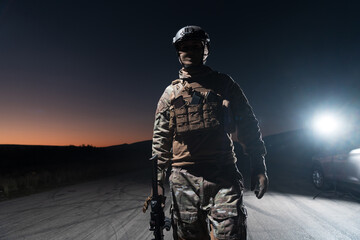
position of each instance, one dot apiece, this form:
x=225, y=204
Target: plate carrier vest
x=191, y=110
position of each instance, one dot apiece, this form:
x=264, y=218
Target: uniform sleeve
x=247, y=127
x=162, y=135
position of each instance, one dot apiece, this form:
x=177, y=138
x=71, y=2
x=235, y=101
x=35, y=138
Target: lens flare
x=326, y=124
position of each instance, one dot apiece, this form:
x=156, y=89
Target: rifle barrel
x=154, y=175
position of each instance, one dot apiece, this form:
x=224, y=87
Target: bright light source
x=355, y=151
x=326, y=124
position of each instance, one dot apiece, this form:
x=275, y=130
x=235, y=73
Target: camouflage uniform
x=206, y=186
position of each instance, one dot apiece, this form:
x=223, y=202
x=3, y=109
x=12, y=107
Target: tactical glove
x=259, y=184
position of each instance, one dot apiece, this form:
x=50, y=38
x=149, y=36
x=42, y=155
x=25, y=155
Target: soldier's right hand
x=146, y=203
x=148, y=199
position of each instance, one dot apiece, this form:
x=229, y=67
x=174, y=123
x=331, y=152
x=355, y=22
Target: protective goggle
x=190, y=47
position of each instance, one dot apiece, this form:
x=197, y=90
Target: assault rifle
x=158, y=221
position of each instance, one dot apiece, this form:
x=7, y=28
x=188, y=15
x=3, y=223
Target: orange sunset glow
x=30, y=129
x=52, y=135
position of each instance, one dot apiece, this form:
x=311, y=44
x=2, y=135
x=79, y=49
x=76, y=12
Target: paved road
x=110, y=209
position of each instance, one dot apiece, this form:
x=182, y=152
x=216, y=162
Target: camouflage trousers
x=205, y=200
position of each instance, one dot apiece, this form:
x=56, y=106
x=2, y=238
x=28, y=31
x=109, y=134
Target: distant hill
x=23, y=158
x=26, y=167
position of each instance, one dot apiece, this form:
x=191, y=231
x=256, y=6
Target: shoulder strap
x=179, y=85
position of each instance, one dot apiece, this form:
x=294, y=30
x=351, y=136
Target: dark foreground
x=111, y=209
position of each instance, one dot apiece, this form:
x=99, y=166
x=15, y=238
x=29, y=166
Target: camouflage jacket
x=214, y=147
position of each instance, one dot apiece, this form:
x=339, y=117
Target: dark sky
x=91, y=72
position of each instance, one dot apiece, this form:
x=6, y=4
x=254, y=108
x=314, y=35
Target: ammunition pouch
x=196, y=117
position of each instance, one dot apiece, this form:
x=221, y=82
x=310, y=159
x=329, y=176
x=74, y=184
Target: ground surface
x=110, y=209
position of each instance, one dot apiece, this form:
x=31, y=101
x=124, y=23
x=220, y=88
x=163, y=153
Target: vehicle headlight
x=326, y=124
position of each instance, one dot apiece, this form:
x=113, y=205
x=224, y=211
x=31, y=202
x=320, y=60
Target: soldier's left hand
x=262, y=185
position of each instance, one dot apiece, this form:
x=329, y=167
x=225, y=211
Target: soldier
x=196, y=120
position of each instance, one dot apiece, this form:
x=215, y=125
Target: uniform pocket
x=190, y=226
x=182, y=121
x=186, y=217
x=211, y=114
x=224, y=212
x=229, y=223
x=195, y=115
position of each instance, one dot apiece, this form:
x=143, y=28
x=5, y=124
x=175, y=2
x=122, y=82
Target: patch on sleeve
x=176, y=81
x=164, y=102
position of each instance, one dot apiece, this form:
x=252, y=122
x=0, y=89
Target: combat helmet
x=193, y=33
